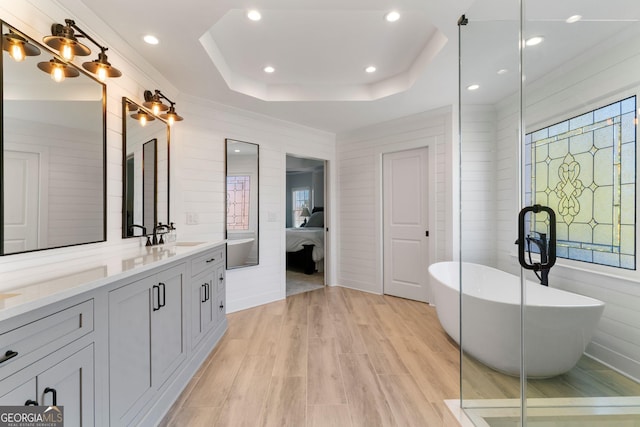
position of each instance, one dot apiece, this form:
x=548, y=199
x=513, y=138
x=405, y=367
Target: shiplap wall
x=199, y=190
x=360, y=192
x=577, y=87
x=477, y=184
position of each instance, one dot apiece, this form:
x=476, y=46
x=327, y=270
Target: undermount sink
x=188, y=243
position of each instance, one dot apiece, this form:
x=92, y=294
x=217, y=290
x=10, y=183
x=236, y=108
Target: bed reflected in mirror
x=242, y=203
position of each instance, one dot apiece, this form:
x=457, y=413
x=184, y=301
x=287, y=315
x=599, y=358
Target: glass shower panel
x=489, y=203
x=581, y=84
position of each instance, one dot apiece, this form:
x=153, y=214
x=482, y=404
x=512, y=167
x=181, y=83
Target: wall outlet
x=192, y=218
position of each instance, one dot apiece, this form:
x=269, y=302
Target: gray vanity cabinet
x=146, y=342
x=70, y=378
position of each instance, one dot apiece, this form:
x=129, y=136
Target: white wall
x=477, y=185
x=198, y=168
x=581, y=86
x=360, y=192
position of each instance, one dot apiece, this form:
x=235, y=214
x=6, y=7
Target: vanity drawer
x=24, y=345
x=207, y=259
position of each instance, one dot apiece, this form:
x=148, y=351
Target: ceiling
x=320, y=48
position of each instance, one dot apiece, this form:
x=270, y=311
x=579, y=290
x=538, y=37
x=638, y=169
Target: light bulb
x=16, y=51
x=57, y=74
x=155, y=108
x=102, y=73
x=66, y=52
x=170, y=119
x=143, y=120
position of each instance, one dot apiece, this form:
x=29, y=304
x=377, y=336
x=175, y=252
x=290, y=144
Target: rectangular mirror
x=242, y=203
x=53, y=152
x=145, y=148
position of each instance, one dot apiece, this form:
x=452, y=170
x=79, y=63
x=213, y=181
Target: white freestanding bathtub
x=238, y=251
x=558, y=324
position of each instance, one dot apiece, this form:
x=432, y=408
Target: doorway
x=405, y=223
x=305, y=224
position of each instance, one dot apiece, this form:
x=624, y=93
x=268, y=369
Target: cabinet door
x=167, y=346
x=129, y=349
x=72, y=382
x=202, y=297
x=17, y=396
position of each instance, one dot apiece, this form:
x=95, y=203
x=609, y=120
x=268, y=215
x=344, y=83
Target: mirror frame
x=125, y=110
x=226, y=202
x=47, y=51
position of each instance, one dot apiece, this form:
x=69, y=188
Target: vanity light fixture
x=58, y=69
x=153, y=100
x=63, y=38
x=18, y=47
x=142, y=116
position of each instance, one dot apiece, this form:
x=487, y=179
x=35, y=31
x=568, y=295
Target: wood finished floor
x=340, y=357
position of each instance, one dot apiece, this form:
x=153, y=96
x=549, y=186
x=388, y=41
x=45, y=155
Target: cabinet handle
x=164, y=296
x=203, y=292
x=30, y=403
x=10, y=354
x=210, y=260
x=156, y=297
x=207, y=288
x=221, y=278
x=221, y=305
x=54, y=393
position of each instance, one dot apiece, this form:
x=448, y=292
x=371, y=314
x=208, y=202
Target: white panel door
x=21, y=171
x=405, y=200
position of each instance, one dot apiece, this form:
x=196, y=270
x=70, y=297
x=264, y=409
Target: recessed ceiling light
x=392, y=16
x=502, y=71
x=269, y=69
x=573, y=18
x=254, y=15
x=473, y=87
x=151, y=39
x=370, y=69
x=533, y=41
x=236, y=151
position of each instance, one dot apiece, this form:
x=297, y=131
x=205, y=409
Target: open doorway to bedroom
x=305, y=233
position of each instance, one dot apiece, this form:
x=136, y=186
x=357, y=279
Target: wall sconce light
x=153, y=101
x=142, y=116
x=63, y=39
x=58, y=69
x=18, y=47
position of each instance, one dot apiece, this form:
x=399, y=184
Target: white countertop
x=34, y=287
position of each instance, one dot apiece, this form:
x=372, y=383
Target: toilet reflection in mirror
x=242, y=203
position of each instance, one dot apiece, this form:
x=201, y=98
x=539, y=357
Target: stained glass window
x=238, y=193
x=584, y=168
